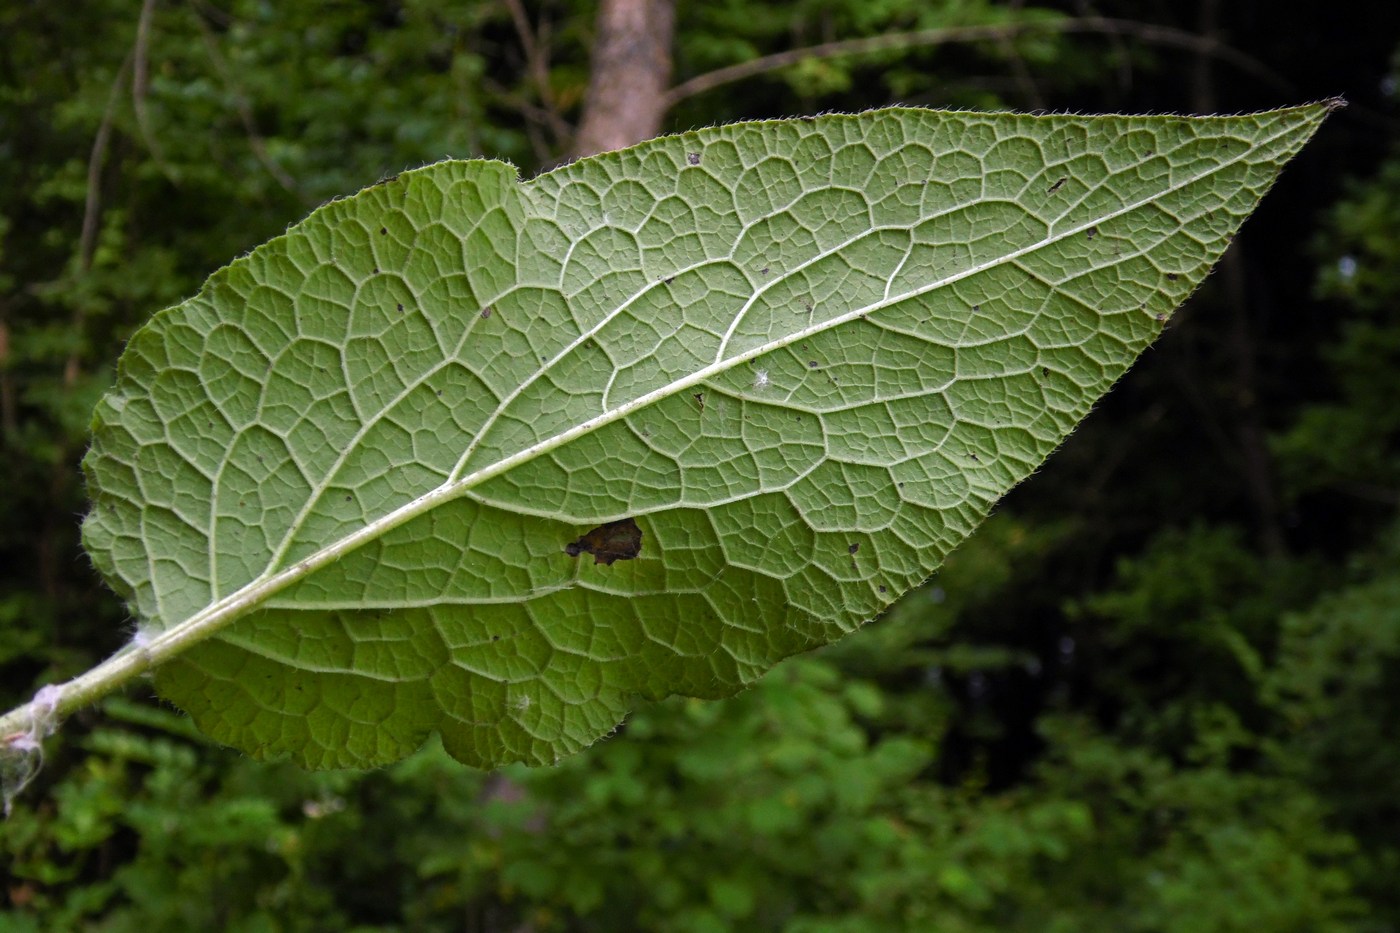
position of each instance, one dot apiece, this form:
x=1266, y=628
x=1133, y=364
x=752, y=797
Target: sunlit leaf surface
x=496, y=459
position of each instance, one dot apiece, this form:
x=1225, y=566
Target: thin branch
x=1019, y=70
x=1370, y=492
x=92, y=204
x=244, y=111
x=536, y=116
x=1119, y=48
x=140, y=82
x=927, y=38
x=537, y=65
x=9, y=410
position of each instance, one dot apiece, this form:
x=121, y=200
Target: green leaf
x=496, y=459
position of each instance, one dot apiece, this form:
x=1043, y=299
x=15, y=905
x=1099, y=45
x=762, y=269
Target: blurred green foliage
x=1157, y=692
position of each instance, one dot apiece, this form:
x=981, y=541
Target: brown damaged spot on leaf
x=620, y=540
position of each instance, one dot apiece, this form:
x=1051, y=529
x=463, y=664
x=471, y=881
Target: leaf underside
x=646, y=424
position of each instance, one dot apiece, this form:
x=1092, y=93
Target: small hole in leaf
x=620, y=540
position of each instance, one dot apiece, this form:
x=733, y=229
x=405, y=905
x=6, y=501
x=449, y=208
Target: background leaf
x=804, y=357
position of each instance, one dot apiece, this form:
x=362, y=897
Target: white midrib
x=135, y=659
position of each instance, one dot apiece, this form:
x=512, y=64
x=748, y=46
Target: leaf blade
x=804, y=357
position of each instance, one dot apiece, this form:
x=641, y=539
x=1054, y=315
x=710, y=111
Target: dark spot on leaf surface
x=812, y=364
x=853, y=547
x=1171, y=276
x=693, y=158
x=699, y=399
x=399, y=307
x=883, y=590
x=1092, y=232
x=1056, y=186
x=486, y=312
x=383, y=231
x=620, y=540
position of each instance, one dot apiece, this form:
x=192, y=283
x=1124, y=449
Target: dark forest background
x=1158, y=691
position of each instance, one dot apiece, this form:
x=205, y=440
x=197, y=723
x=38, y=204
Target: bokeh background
x=1158, y=691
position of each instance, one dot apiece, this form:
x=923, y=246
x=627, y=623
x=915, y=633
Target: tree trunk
x=630, y=76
